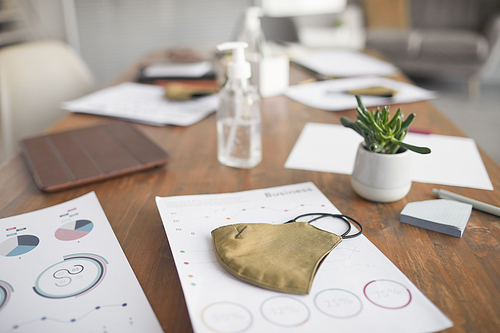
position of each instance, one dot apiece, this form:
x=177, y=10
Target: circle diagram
x=226, y=317
x=19, y=245
x=387, y=294
x=285, y=311
x=338, y=303
x=76, y=275
x=74, y=230
x=5, y=291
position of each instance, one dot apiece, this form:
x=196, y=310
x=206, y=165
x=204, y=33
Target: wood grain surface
x=460, y=275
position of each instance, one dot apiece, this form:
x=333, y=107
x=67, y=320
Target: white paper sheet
x=345, y=63
x=441, y=215
x=357, y=289
x=330, y=94
x=193, y=70
x=63, y=270
x=332, y=148
x=143, y=103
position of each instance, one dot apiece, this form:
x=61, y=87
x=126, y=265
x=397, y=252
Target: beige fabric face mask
x=281, y=257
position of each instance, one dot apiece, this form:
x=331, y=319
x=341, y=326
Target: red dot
x=186, y=263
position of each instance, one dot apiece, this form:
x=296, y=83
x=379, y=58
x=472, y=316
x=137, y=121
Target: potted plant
x=382, y=167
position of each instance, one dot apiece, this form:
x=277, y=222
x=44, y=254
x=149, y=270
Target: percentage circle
x=226, y=317
x=5, y=291
x=387, y=294
x=285, y=311
x=338, y=303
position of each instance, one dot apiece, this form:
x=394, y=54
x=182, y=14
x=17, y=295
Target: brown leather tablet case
x=62, y=160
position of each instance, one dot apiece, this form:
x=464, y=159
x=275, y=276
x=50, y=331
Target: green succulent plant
x=382, y=134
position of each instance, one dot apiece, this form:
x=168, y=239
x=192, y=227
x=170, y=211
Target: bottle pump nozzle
x=252, y=18
x=238, y=68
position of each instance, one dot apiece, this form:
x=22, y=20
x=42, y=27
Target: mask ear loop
x=345, y=218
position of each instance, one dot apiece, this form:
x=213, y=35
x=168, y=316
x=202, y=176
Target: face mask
x=282, y=257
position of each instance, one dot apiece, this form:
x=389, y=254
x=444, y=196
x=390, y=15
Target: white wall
x=114, y=34
x=44, y=17
x=492, y=77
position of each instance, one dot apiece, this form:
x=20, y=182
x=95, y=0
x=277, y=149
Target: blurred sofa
x=439, y=37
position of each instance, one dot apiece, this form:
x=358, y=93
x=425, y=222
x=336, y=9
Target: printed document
x=331, y=95
x=63, y=270
x=357, y=289
x=144, y=103
x=345, y=63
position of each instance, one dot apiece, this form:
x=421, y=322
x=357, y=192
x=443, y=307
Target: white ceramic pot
x=381, y=177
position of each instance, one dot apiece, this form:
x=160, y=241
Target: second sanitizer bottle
x=239, y=134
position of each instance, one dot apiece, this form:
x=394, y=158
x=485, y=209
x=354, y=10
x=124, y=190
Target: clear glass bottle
x=239, y=130
x=252, y=34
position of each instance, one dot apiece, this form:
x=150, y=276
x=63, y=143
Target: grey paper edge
x=431, y=226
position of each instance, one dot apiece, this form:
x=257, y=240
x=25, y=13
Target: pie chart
x=18, y=245
x=74, y=230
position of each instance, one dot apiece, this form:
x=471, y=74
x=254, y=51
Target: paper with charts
x=143, y=103
x=63, y=270
x=357, y=289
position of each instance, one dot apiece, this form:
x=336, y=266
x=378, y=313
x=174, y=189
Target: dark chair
x=444, y=37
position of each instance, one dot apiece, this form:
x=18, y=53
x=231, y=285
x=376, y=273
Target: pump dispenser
x=239, y=136
x=238, y=68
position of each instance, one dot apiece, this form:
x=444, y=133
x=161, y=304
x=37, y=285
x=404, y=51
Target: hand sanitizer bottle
x=239, y=136
x=252, y=34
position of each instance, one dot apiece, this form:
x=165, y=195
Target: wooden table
x=460, y=275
